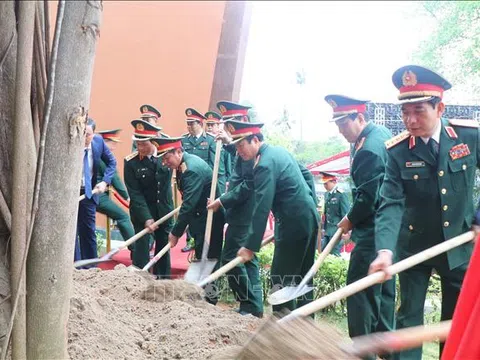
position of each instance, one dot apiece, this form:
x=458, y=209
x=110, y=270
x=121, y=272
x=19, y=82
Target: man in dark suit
x=95, y=150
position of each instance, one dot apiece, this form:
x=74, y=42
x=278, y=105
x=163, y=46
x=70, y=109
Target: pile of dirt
x=121, y=314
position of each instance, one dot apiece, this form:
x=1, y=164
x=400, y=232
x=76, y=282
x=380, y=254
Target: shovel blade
x=199, y=270
x=288, y=293
x=86, y=262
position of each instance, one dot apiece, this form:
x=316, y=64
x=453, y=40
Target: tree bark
x=49, y=269
x=22, y=126
x=8, y=56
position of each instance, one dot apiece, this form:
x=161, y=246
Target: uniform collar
x=153, y=154
x=436, y=134
x=333, y=190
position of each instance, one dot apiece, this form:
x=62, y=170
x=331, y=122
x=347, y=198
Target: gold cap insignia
x=144, y=109
x=223, y=109
x=409, y=78
x=230, y=128
x=189, y=112
x=140, y=127
x=332, y=103
x=210, y=116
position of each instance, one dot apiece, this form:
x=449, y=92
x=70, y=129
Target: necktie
x=433, y=145
x=87, y=177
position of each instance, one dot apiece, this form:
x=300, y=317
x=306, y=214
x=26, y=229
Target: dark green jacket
x=194, y=179
x=367, y=170
x=423, y=203
x=117, y=183
x=280, y=187
x=336, y=207
x=204, y=148
x=149, y=186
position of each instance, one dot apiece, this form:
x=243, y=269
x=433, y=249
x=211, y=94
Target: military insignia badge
x=183, y=167
x=140, y=127
x=203, y=143
x=144, y=109
x=230, y=128
x=332, y=103
x=154, y=143
x=409, y=78
x=223, y=109
x=189, y=112
x=459, y=151
x=210, y=116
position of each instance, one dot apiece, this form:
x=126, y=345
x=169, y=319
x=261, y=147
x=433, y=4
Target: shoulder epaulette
x=463, y=123
x=397, y=139
x=131, y=156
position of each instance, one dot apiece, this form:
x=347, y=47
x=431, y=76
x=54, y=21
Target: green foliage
x=453, y=48
x=101, y=242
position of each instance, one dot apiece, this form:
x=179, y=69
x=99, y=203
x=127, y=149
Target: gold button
x=464, y=167
x=446, y=224
x=415, y=177
x=444, y=191
x=445, y=207
x=440, y=173
x=410, y=227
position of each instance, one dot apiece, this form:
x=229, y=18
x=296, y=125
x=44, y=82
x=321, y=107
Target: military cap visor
x=239, y=130
x=143, y=129
x=344, y=106
x=194, y=115
x=164, y=145
x=149, y=111
x=326, y=177
x=418, y=84
x=110, y=135
x=212, y=117
x=230, y=109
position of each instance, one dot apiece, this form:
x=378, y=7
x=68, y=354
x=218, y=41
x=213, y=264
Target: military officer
x=336, y=207
x=213, y=127
x=278, y=185
x=106, y=205
x=244, y=279
x=194, y=179
x=149, y=185
x=200, y=143
x=372, y=309
x=149, y=114
x=427, y=195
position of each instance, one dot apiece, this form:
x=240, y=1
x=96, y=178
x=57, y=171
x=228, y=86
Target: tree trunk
x=8, y=56
x=20, y=192
x=49, y=270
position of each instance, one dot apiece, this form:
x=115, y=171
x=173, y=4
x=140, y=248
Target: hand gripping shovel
x=199, y=270
x=291, y=292
x=229, y=266
x=82, y=197
x=393, y=341
x=379, y=277
x=108, y=256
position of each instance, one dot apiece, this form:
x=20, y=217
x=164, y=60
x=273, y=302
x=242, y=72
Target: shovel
x=379, y=277
x=157, y=257
x=199, y=270
x=108, y=256
x=229, y=266
x=393, y=341
x=82, y=197
x=291, y=292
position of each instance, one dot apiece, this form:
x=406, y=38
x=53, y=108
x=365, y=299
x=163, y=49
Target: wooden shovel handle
x=94, y=191
x=157, y=257
x=397, y=340
x=213, y=190
x=379, y=277
x=229, y=266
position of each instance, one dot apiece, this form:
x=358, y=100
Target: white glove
x=101, y=187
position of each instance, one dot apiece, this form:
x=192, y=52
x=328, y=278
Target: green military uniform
x=204, y=147
x=372, y=309
x=336, y=207
x=107, y=206
x=149, y=185
x=280, y=187
x=427, y=199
